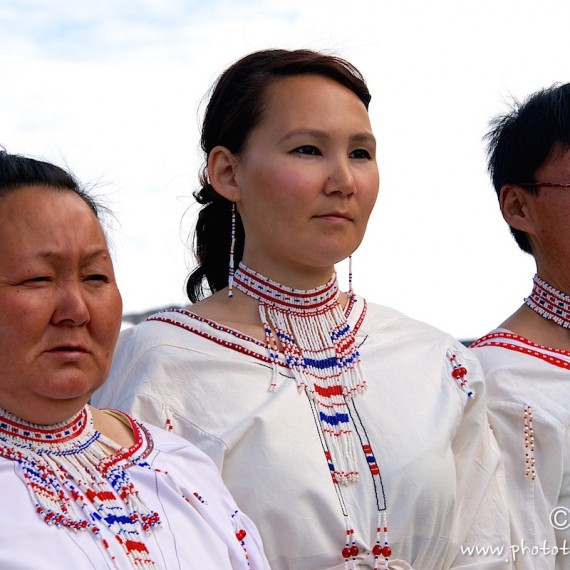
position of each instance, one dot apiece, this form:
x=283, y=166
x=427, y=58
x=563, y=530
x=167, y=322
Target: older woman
x=84, y=488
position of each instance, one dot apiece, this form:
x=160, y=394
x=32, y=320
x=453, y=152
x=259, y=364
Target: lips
x=336, y=215
x=68, y=348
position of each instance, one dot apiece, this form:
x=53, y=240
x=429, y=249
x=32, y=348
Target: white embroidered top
x=198, y=517
x=525, y=378
x=439, y=463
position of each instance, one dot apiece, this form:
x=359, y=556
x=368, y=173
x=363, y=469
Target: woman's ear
x=515, y=202
x=222, y=173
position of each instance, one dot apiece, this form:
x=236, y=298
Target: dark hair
x=521, y=140
x=17, y=171
x=235, y=108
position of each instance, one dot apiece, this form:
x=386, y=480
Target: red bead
x=346, y=552
x=459, y=372
x=386, y=552
x=377, y=550
x=354, y=550
x=241, y=534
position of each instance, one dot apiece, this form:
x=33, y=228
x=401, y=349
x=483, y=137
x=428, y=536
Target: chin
x=75, y=387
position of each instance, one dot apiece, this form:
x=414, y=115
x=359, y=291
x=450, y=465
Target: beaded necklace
x=75, y=483
x=321, y=351
x=549, y=302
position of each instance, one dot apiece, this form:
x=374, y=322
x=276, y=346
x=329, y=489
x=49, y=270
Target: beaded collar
x=321, y=351
x=549, y=302
x=76, y=483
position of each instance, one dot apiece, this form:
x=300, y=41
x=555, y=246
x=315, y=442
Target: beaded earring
x=232, y=251
x=350, y=289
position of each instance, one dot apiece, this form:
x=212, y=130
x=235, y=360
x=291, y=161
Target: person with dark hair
x=82, y=487
x=527, y=358
x=350, y=431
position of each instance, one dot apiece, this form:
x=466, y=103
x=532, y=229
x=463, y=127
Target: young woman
x=82, y=487
x=347, y=430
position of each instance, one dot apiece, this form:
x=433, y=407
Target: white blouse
x=529, y=389
x=440, y=467
x=199, y=518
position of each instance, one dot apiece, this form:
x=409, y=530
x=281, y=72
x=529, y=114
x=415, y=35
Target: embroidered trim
x=517, y=343
x=236, y=346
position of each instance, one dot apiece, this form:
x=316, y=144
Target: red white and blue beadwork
x=75, y=479
x=319, y=346
x=321, y=351
x=549, y=302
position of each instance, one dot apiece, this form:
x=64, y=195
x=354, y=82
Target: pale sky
x=112, y=90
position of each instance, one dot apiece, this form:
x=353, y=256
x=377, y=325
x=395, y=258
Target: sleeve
x=151, y=385
x=480, y=535
x=560, y=515
x=528, y=507
x=206, y=492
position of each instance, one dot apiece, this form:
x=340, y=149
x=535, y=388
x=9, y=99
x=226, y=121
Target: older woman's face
x=60, y=308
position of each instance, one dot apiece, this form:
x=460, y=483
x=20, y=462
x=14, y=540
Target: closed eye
x=38, y=279
x=97, y=277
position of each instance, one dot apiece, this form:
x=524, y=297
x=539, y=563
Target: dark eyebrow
x=307, y=132
x=364, y=138
x=359, y=137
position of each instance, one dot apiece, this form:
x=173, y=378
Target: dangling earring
x=350, y=290
x=232, y=250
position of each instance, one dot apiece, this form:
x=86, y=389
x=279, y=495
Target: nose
x=341, y=178
x=71, y=306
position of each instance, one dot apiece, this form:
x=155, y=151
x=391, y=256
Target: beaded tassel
x=320, y=349
x=530, y=471
x=71, y=456
x=240, y=534
x=549, y=302
x=350, y=550
x=350, y=289
x=459, y=374
x=381, y=549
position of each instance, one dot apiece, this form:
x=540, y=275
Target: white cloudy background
x=112, y=89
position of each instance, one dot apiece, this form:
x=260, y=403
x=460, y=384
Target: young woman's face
x=60, y=309
x=307, y=179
